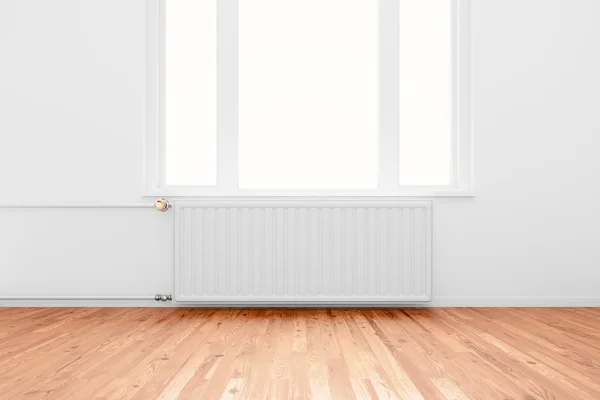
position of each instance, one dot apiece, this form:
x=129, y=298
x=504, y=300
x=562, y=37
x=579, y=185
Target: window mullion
x=227, y=94
x=462, y=165
x=388, y=94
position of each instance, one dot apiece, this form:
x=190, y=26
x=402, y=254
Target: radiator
x=295, y=252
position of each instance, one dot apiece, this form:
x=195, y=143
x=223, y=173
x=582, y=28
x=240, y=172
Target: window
x=308, y=94
x=191, y=93
x=308, y=97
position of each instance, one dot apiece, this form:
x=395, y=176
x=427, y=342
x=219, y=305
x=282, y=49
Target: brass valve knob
x=162, y=205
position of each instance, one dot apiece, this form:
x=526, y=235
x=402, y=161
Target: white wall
x=533, y=230
x=71, y=124
x=71, y=120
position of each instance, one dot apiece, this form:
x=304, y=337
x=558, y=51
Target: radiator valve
x=162, y=205
x=163, y=297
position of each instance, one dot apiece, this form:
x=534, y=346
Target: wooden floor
x=168, y=353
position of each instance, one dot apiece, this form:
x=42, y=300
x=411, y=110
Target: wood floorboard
x=176, y=353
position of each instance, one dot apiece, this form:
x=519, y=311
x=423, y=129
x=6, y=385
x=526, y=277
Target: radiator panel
x=284, y=252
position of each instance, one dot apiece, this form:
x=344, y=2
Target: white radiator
x=321, y=252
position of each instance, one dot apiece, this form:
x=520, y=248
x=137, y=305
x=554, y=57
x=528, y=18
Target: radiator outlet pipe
x=163, y=297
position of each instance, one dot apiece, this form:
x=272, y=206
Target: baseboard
x=302, y=304
x=142, y=301
x=81, y=301
x=516, y=302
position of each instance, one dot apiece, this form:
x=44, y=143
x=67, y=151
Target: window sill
x=191, y=192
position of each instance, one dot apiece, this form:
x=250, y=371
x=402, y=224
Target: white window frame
x=227, y=118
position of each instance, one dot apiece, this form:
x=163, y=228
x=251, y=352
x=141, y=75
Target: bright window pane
x=191, y=78
x=425, y=92
x=308, y=93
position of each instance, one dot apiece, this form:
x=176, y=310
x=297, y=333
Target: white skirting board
x=442, y=302
x=516, y=302
x=321, y=252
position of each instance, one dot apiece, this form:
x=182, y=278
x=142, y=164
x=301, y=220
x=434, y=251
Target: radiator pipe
x=161, y=205
x=66, y=206
x=9, y=297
